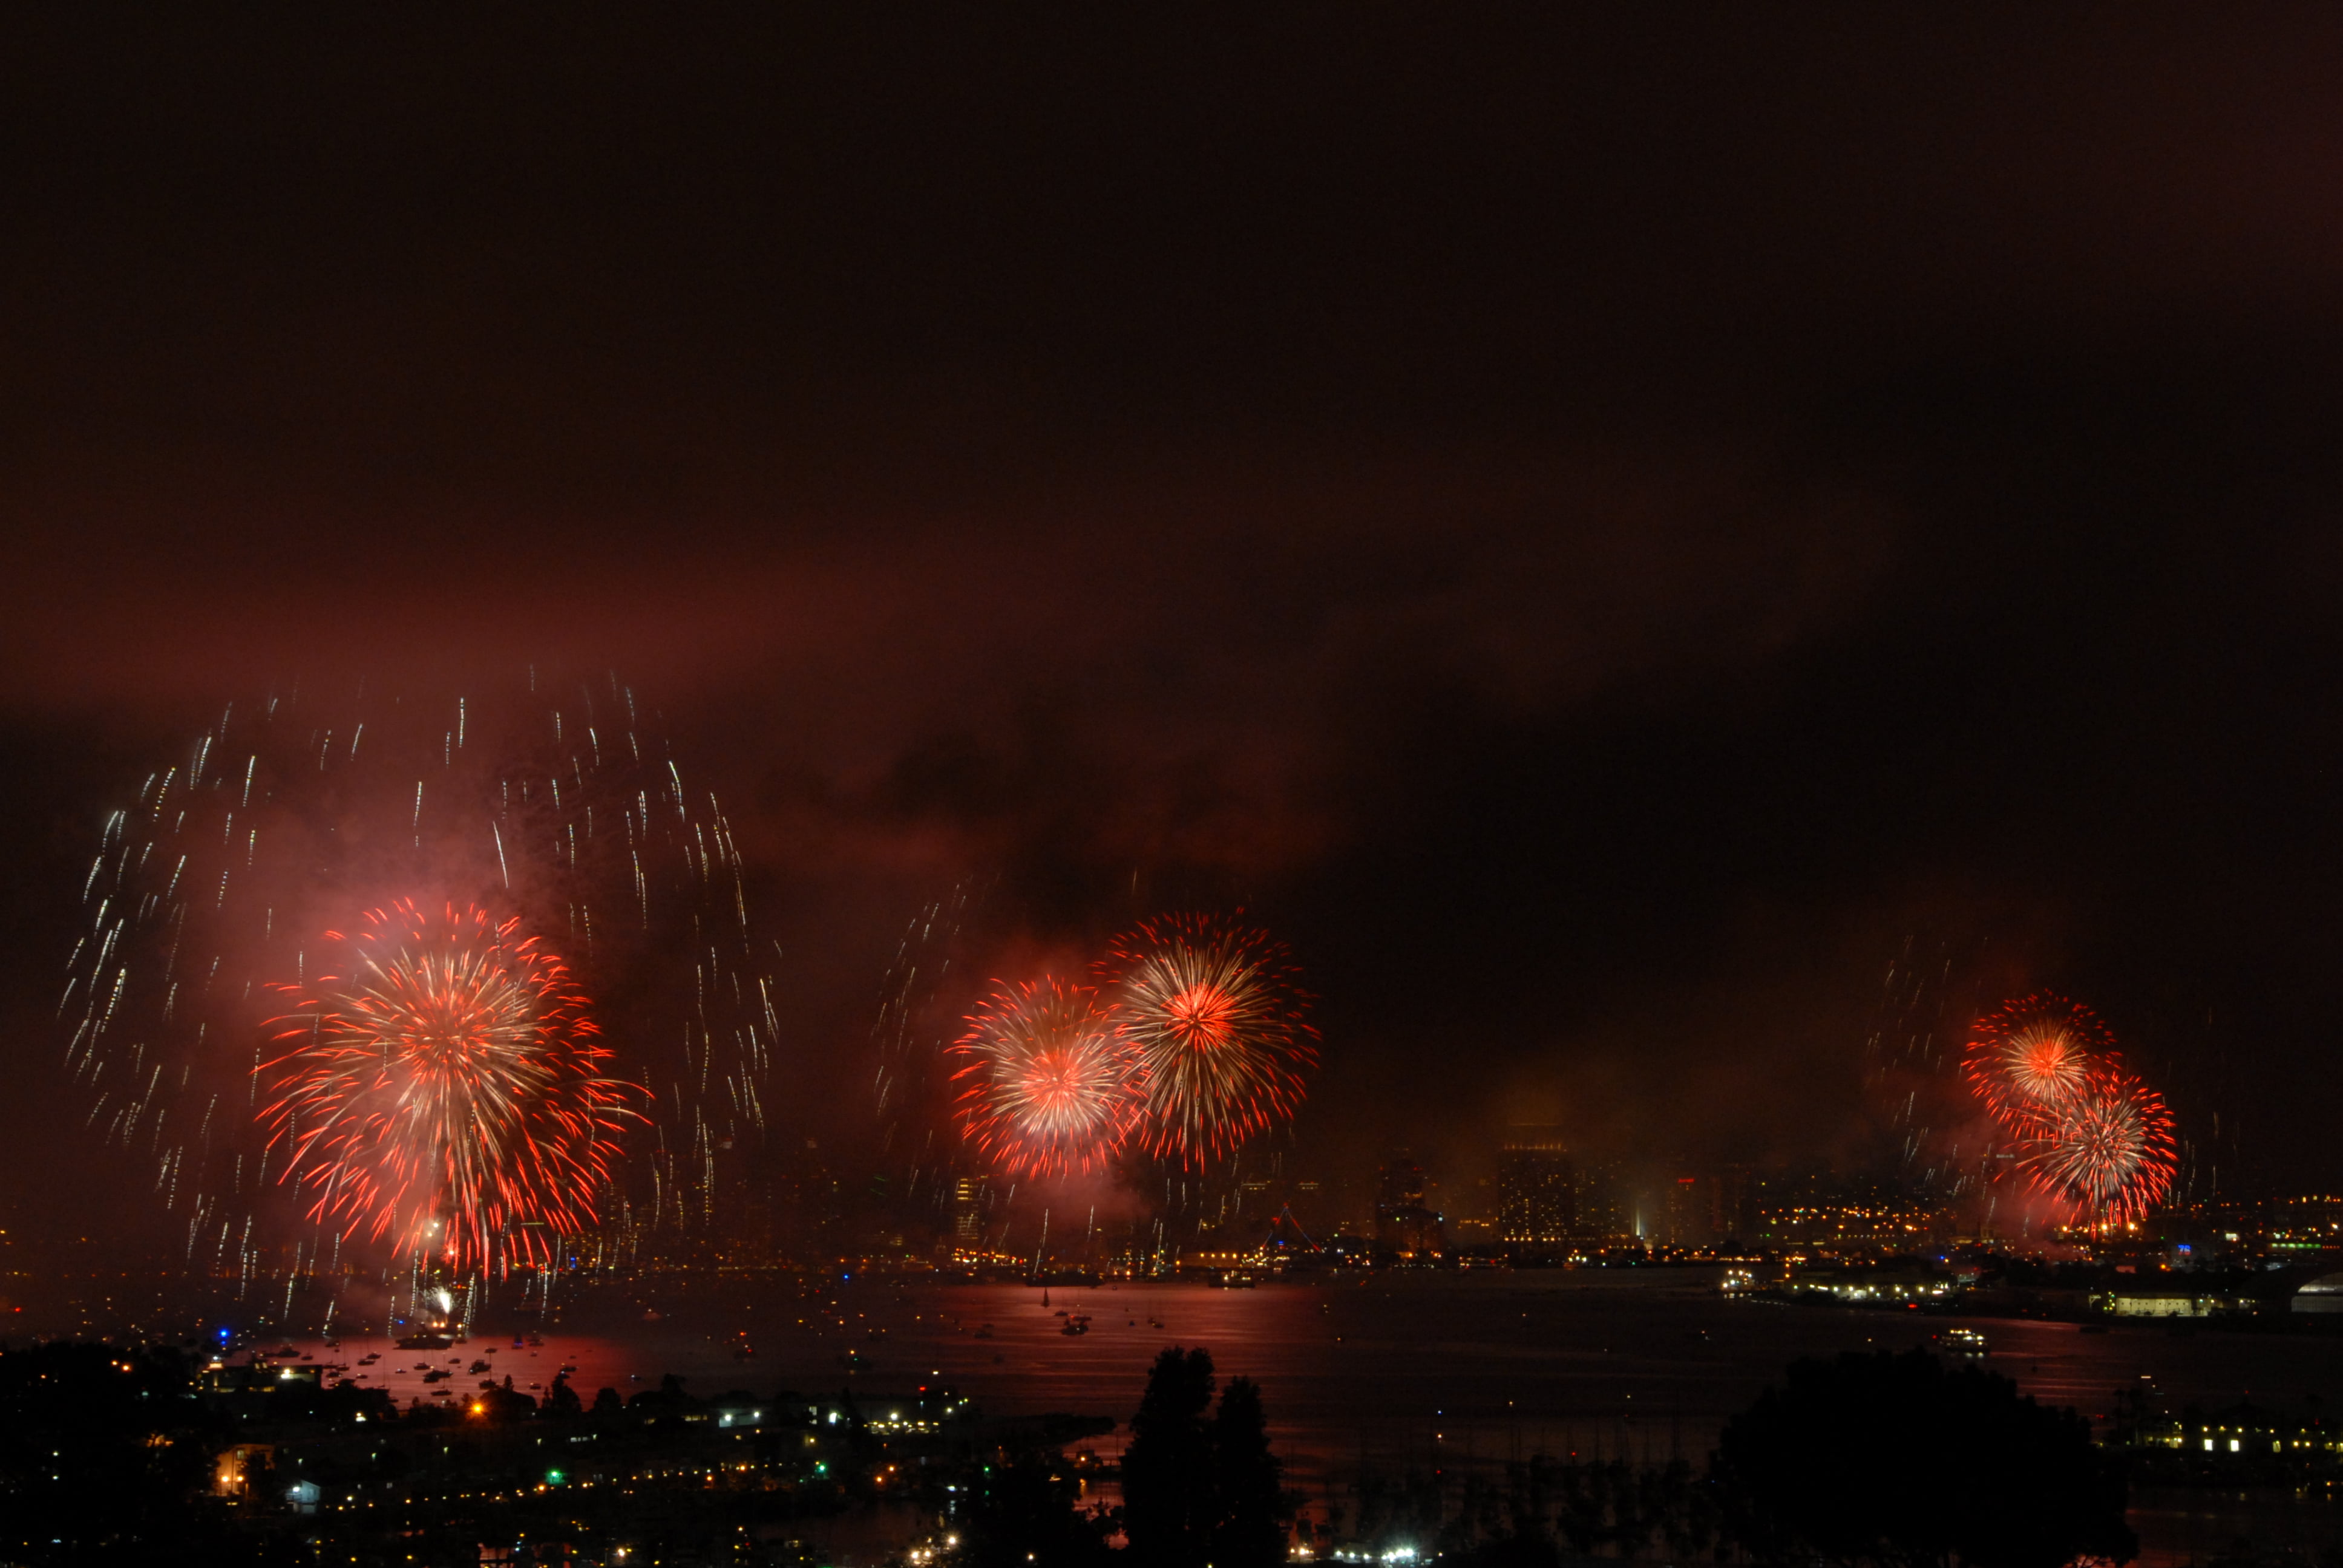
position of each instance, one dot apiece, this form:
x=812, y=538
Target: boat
x=1964, y=1342
x=426, y=1341
x=1077, y=1323
x=985, y=1332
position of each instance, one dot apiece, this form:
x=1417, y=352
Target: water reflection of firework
x=1047, y=1084
x=444, y=1090
x=1216, y=1024
x=2110, y=1150
x=292, y=817
x=2030, y=1060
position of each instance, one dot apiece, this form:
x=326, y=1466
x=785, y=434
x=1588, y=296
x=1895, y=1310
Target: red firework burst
x=2110, y=1150
x=444, y=1089
x=2030, y=1061
x=1216, y=1022
x=1048, y=1086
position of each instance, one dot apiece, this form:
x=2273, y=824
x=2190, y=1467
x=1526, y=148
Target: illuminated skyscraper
x=1687, y=1212
x=970, y=1198
x=1537, y=1190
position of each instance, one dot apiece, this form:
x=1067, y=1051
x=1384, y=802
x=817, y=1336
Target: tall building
x=971, y=1199
x=1705, y=1210
x=1602, y=1207
x=1537, y=1194
x=1687, y=1219
x=1732, y=1217
x=1402, y=1221
x=1402, y=1184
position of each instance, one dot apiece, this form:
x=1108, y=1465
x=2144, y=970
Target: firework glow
x=2110, y=1150
x=1217, y=1027
x=1048, y=1085
x=2084, y=1130
x=554, y=804
x=444, y=1090
x=2032, y=1058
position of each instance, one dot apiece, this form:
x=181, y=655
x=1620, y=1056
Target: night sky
x=1603, y=532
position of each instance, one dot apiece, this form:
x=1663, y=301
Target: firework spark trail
x=1216, y=1021
x=1048, y=1085
x=276, y=824
x=445, y=1092
x=911, y=1033
x=2110, y=1150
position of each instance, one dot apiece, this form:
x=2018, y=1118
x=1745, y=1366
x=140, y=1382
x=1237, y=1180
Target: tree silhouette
x=1249, y=1508
x=1167, y=1471
x=1898, y=1461
x=1197, y=1490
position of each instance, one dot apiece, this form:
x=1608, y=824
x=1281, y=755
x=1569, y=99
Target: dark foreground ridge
x=111, y=1455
